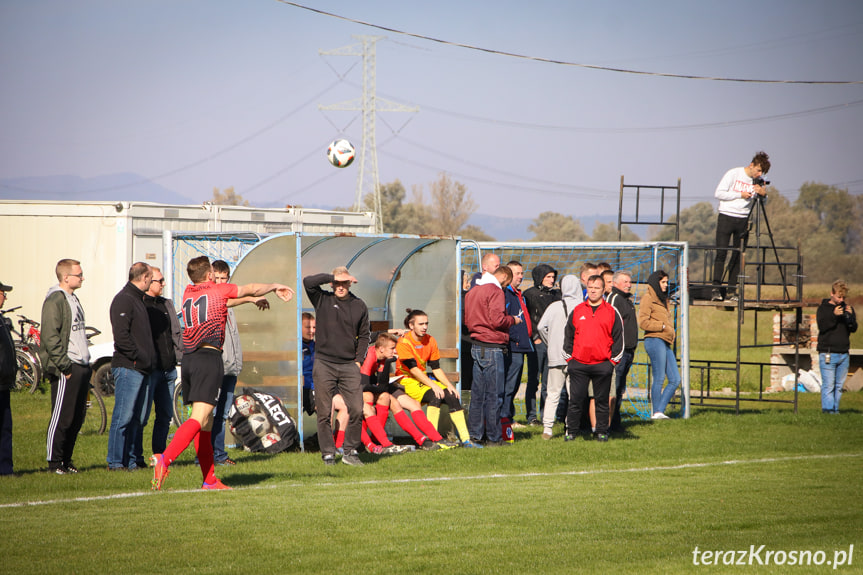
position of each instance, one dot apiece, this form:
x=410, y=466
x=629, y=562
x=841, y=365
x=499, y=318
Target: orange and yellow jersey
x=422, y=351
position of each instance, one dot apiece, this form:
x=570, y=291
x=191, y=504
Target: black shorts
x=392, y=388
x=202, y=372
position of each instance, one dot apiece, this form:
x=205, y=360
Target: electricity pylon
x=367, y=179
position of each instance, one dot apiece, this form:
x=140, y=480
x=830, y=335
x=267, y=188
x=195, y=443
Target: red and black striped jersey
x=205, y=311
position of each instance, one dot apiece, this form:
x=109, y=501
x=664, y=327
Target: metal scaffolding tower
x=368, y=181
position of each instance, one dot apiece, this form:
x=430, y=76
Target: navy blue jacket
x=519, y=338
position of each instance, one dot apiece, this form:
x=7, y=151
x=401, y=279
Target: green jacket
x=56, y=328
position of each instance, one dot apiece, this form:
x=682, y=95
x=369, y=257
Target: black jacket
x=130, y=324
x=342, y=325
x=622, y=302
x=8, y=361
x=166, y=331
x=834, y=332
x=539, y=297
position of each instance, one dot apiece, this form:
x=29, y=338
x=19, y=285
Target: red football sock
x=377, y=430
x=340, y=438
x=405, y=423
x=383, y=412
x=364, y=437
x=182, y=438
x=204, y=449
x=506, y=430
x=425, y=425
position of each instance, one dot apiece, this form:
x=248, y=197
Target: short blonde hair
x=340, y=270
x=64, y=267
x=839, y=288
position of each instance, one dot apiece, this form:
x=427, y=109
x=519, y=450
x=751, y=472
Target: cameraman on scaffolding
x=737, y=193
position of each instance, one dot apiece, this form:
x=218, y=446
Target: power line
x=566, y=63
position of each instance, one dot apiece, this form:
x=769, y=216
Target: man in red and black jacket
x=594, y=343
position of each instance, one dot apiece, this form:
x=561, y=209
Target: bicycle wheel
x=104, y=379
x=96, y=416
x=29, y=371
x=181, y=412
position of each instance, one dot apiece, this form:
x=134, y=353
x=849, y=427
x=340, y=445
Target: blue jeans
x=161, y=394
x=220, y=416
x=663, y=364
x=128, y=418
x=513, y=364
x=484, y=413
x=832, y=379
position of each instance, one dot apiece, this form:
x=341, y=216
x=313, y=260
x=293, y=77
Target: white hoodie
x=553, y=322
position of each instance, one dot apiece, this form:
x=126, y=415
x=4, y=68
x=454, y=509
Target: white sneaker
x=659, y=415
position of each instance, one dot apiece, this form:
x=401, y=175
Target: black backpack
x=262, y=423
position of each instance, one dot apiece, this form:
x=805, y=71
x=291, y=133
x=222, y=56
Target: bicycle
x=182, y=412
x=96, y=416
x=26, y=352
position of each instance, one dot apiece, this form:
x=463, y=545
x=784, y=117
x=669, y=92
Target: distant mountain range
x=108, y=188
x=131, y=187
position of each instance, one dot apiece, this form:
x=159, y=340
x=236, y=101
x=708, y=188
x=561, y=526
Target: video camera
x=759, y=181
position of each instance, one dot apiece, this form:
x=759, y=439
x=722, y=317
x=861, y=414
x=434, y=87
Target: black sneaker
x=352, y=458
x=534, y=421
x=429, y=445
x=70, y=468
x=602, y=437
x=732, y=298
x=569, y=437
x=58, y=470
x=329, y=459
x=716, y=295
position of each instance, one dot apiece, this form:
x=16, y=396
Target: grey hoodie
x=553, y=322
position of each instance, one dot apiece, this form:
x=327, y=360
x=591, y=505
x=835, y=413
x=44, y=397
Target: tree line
x=825, y=222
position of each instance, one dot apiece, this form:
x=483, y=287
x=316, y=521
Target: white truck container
x=107, y=238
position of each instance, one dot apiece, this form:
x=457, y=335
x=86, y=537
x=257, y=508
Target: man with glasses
x=133, y=361
x=340, y=348
x=165, y=328
x=66, y=363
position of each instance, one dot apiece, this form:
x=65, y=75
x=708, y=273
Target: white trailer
x=107, y=238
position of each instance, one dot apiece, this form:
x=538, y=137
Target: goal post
x=640, y=259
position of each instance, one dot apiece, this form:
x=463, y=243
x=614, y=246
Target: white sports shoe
x=659, y=415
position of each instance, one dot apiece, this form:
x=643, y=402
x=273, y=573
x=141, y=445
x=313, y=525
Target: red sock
x=377, y=429
x=425, y=425
x=364, y=437
x=405, y=423
x=182, y=438
x=383, y=412
x=204, y=449
x=340, y=438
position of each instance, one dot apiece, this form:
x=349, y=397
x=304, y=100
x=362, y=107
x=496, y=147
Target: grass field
x=638, y=504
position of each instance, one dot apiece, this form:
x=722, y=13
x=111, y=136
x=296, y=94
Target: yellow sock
x=457, y=418
x=433, y=415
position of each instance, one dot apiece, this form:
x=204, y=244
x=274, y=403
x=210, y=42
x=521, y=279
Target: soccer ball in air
x=260, y=424
x=245, y=404
x=341, y=153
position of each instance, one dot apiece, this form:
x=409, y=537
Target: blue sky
x=201, y=94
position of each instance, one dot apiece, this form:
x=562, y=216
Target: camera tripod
x=760, y=213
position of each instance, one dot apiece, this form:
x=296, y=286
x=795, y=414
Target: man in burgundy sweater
x=488, y=325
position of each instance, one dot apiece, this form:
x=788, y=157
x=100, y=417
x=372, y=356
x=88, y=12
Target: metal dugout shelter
x=393, y=273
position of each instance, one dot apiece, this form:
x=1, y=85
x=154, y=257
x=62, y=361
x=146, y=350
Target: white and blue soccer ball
x=260, y=424
x=341, y=153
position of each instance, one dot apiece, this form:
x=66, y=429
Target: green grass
x=638, y=504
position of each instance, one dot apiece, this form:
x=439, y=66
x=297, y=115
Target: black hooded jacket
x=539, y=297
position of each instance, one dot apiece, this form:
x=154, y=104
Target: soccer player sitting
x=417, y=351
x=205, y=309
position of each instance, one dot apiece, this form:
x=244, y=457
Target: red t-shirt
x=205, y=311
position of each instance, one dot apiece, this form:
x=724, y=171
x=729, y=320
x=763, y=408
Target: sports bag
x=261, y=422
